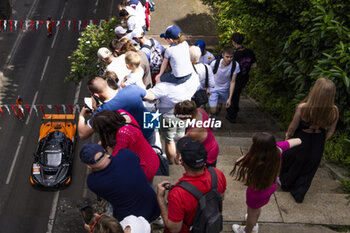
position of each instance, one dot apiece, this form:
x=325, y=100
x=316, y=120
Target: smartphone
x=88, y=102
x=87, y=213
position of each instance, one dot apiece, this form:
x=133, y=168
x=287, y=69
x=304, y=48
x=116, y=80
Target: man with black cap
x=121, y=181
x=182, y=205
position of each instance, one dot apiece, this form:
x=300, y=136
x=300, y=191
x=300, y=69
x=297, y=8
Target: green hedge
x=84, y=59
x=295, y=43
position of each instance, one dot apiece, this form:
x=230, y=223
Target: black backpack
x=208, y=217
x=217, y=63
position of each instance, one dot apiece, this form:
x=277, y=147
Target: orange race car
x=53, y=159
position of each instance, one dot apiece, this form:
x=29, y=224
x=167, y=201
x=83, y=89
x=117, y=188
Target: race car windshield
x=52, y=158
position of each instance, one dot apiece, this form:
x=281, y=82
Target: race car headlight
x=31, y=180
x=68, y=181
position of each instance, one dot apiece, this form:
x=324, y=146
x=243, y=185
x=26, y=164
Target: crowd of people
x=138, y=75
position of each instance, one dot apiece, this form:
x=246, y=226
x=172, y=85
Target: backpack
x=155, y=59
x=208, y=217
x=217, y=63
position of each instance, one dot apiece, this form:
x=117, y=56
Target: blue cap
x=201, y=44
x=172, y=32
x=88, y=152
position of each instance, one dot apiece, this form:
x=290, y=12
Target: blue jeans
x=170, y=78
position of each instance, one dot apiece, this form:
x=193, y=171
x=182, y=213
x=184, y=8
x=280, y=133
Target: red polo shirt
x=182, y=205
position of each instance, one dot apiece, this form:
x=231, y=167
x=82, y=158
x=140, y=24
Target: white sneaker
x=241, y=229
x=255, y=228
x=238, y=228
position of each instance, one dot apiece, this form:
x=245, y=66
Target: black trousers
x=232, y=111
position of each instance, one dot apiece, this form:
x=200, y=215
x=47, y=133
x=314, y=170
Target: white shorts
x=218, y=96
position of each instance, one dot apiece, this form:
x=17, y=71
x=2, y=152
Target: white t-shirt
x=202, y=76
x=134, y=20
x=136, y=78
x=170, y=94
x=179, y=57
x=137, y=224
x=118, y=66
x=222, y=77
x=207, y=58
x=140, y=9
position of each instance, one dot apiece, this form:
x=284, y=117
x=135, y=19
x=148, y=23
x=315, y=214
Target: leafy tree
x=84, y=58
x=295, y=42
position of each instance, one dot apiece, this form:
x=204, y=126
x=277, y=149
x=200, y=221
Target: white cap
x=103, y=53
x=137, y=33
x=120, y=30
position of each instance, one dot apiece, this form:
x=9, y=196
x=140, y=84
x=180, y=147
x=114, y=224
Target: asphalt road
x=34, y=66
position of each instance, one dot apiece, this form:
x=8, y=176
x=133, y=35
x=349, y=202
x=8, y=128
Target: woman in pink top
x=187, y=110
x=258, y=169
x=118, y=130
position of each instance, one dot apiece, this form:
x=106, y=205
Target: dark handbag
x=201, y=97
x=163, y=169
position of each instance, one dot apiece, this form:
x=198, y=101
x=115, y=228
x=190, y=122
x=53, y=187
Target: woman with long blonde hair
x=314, y=121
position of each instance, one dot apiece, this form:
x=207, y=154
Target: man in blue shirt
x=121, y=181
x=128, y=99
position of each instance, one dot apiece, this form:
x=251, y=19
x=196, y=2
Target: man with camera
x=179, y=215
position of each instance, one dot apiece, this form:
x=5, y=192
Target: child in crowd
x=258, y=169
x=177, y=55
x=132, y=61
x=207, y=57
x=187, y=110
x=225, y=72
x=130, y=224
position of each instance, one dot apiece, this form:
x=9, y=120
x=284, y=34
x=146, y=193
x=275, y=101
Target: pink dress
x=209, y=142
x=130, y=136
x=256, y=199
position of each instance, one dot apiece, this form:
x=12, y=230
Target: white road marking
x=44, y=70
x=54, y=39
x=56, y=33
x=64, y=10
x=31, y=110
x=96, y=4
x=53, y=212
x=14, y=160
x=31, y=11
x=19, y=37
